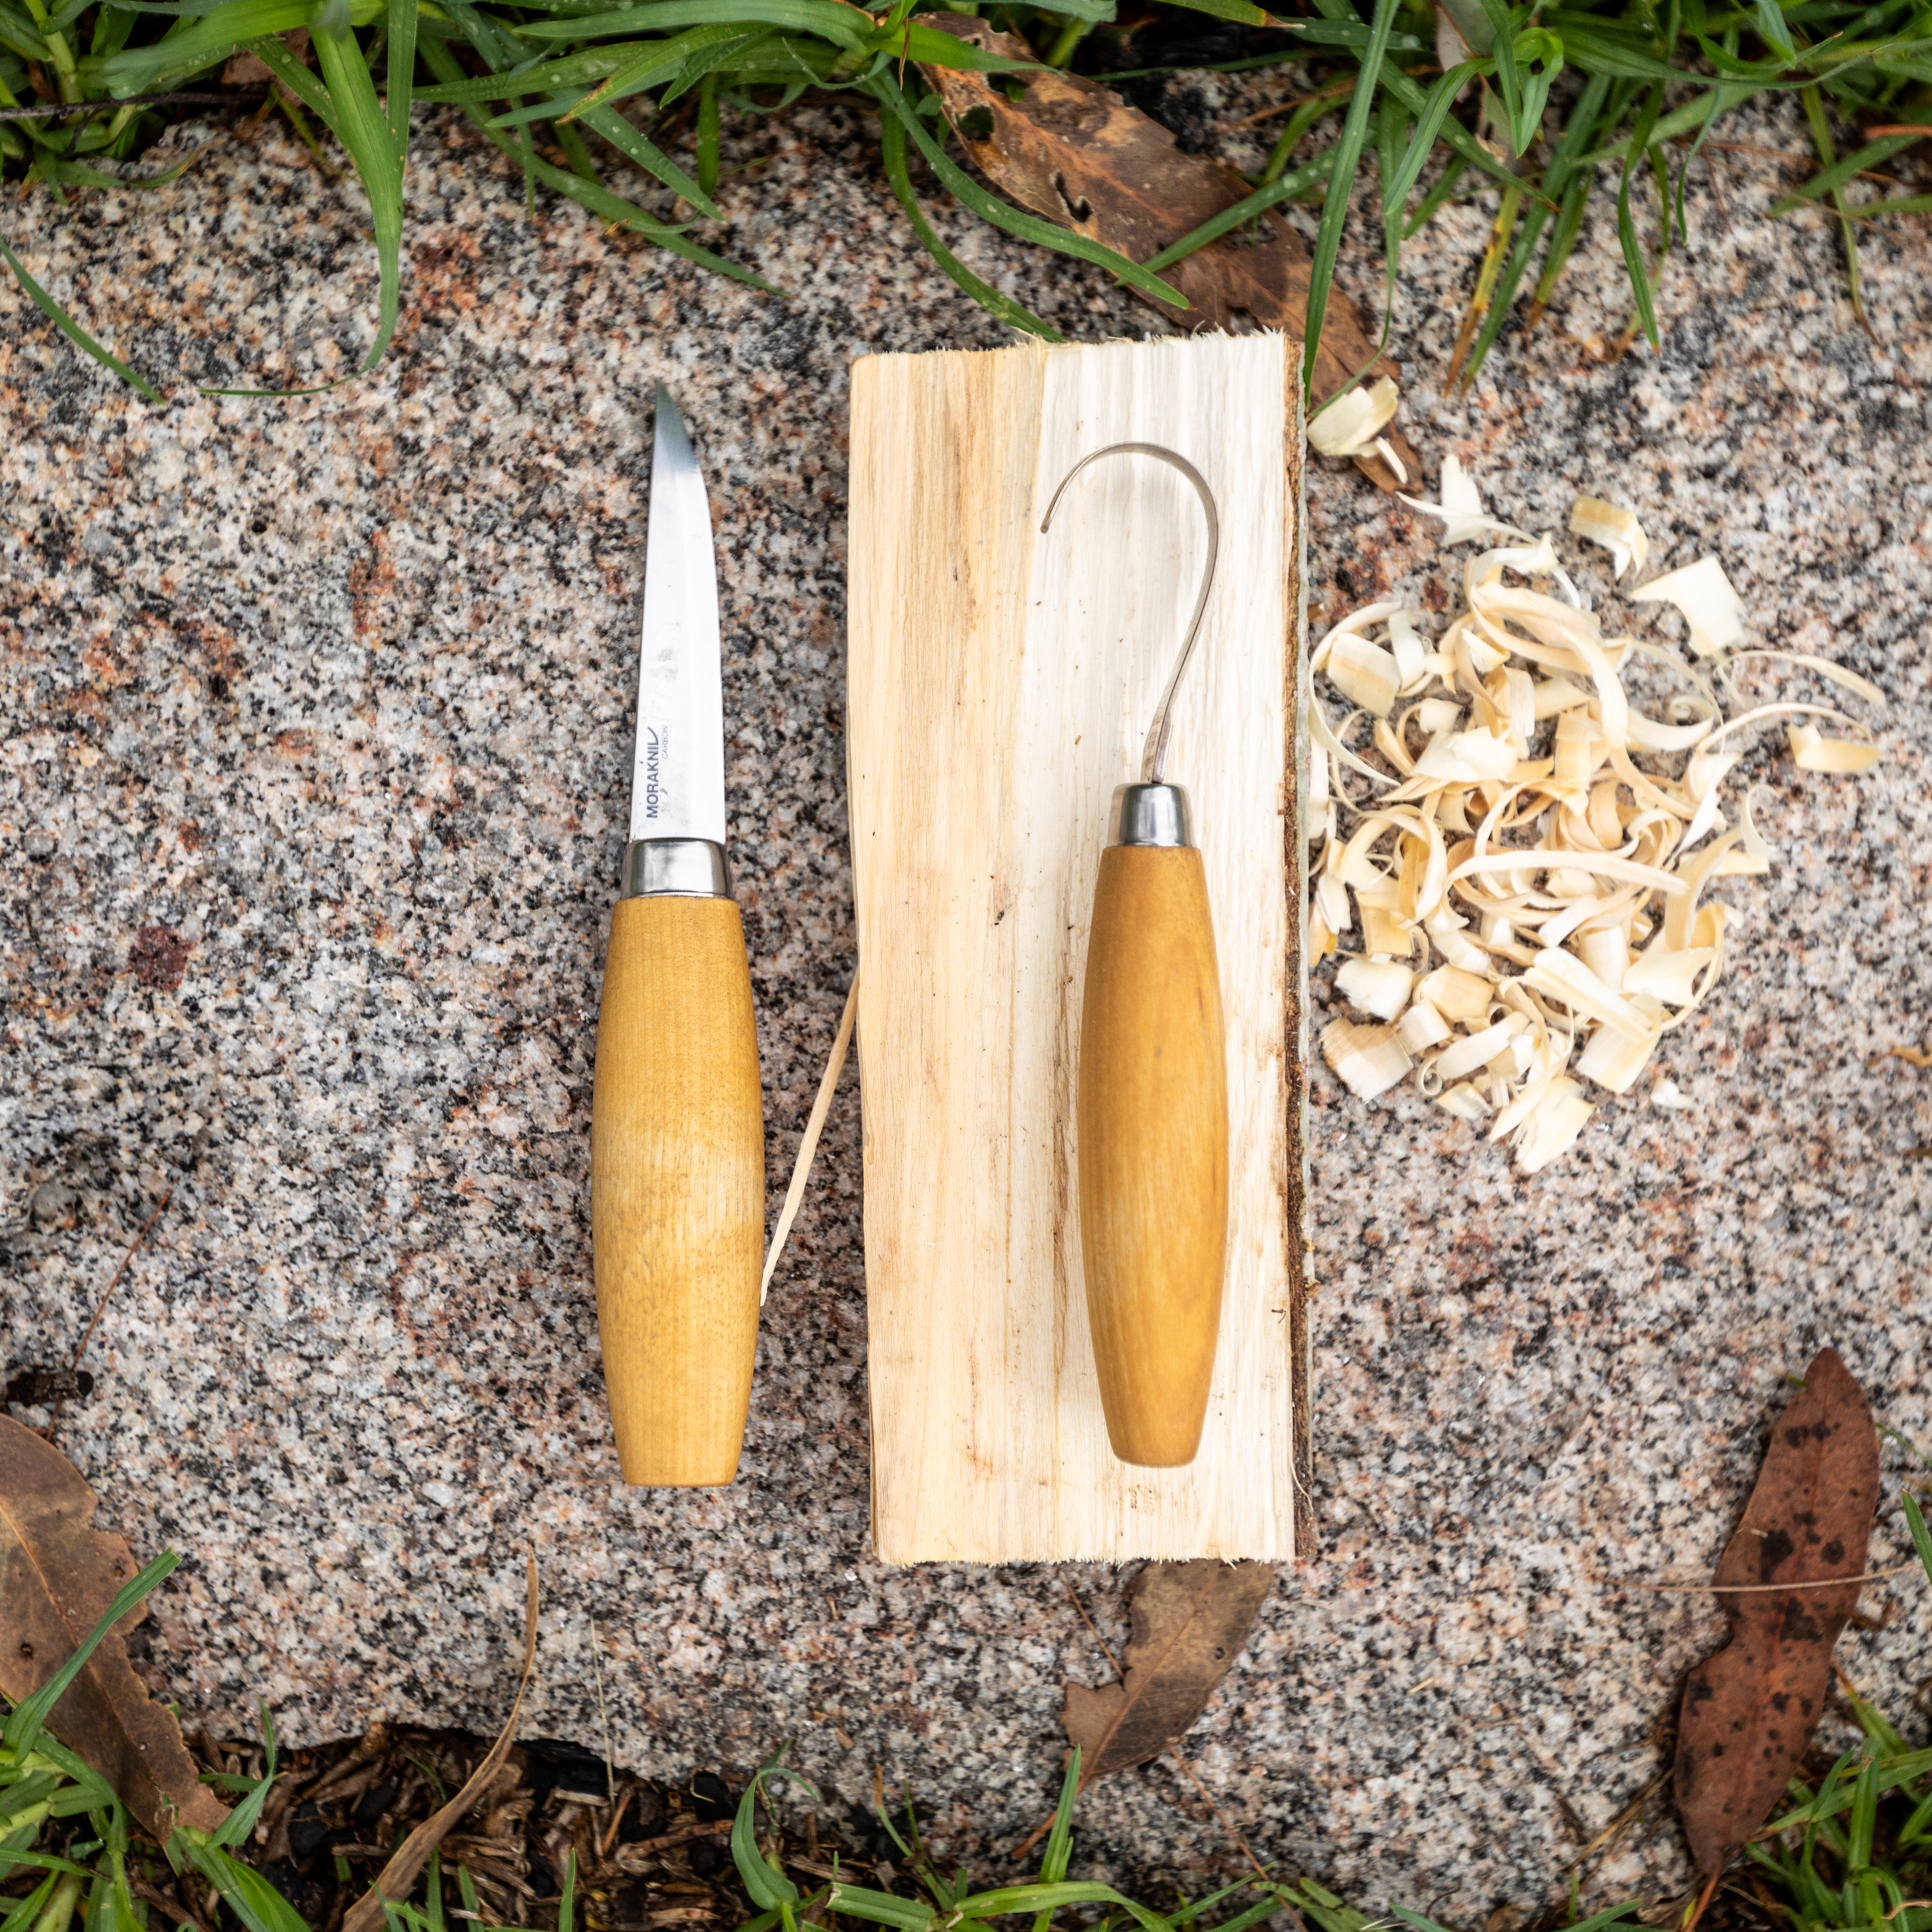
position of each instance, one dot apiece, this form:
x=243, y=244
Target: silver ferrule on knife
x=675, y=869
x=1149, y=814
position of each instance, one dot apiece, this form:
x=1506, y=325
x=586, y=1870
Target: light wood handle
x=1153, y=1149
x=678, y=1188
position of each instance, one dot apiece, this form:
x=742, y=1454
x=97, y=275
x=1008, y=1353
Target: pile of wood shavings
x=1530, y=895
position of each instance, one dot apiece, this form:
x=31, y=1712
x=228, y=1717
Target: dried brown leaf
x=1750, y=1710
x=1075, y=152
x=1190, y=1622
x=58, y=1575
x=397, y=1878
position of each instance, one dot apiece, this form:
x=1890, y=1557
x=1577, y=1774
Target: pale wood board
x=1000, y=684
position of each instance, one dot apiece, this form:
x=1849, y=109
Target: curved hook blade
x=1154, y=755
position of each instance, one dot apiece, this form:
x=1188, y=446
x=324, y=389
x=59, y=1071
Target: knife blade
x=677, y=1122
x=677, y=784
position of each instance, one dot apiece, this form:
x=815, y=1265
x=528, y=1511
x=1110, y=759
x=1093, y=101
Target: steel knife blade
x=677, y=782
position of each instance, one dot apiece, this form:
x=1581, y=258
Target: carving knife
x=677, y=1124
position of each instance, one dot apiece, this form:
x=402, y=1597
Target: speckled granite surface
x=321, y=708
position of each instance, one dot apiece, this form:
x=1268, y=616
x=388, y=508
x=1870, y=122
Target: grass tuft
x=1541, y=94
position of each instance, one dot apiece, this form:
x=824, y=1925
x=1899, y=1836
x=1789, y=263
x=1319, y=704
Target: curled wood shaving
x=1352, y=422
x=1710, y=606
x=1613, y=526
x=1524, y=902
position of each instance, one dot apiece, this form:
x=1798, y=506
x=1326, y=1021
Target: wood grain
x=1000, y=686
x=1153, y=1140
x=677, y=1187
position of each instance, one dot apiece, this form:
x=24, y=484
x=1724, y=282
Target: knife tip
x=670, y=430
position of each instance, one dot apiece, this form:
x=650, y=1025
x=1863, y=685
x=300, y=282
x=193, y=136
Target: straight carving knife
x=677, y=1124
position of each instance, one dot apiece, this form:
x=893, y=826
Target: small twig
x=1112, y=1664
x=1748, y=1589
x=175, y=1903
x=1300, y=101
x=1904, y=128
x=1703, y=1900
x=1261, y=1871
x=100, y=1308
x=86, y=109
x=1717, y=187
x=604, y=1716
x=617, y=1818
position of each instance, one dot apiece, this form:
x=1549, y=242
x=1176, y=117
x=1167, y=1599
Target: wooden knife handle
x=1153, y=1149
x=678, y=1188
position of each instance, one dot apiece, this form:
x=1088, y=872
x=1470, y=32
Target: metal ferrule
x=675, y=869
x=1145, y=814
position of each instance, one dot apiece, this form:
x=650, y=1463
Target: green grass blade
x=1284, y=188
x=882, y=1908
x=20, y=34
x=1772, y=29
x=577, y=155
x=1626, y=225
x=600, y=201
x=1237, y=10
x=573, y=71
x=1600, y=52
x=1865, y=1814
x=1914, y=1516
x=1429, y=118
x=1445, y=186
x=25, y=1722
x=112, y=26
x=1458, y=137
x=892, y=141
x=934, y=47
x=295, y=76
x=825, y=17
x=1872, y=154
x=1577, y=132
x=246, y=1893
x=767, y=1888
x=612, y=126
x=1002, y=215
x=1322, y=103
x=27, y=1911
x=1508, y=76
x=1912, y=1831
x=365, y=132
x=206, y=43
x=656, y=61
x=401, y=75
x=1334, y=207
x=1680, y=121
x=1060, y=1837
x=701, y=67
x=77, y=175
x=40, y=1861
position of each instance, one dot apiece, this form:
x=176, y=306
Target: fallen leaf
x=1750, y=1710
x=1075, y=152
x=1190, y=1622
x=397, y=1878
x=58, y=1575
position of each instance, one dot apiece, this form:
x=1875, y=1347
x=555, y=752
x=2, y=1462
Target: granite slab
x=315, y=718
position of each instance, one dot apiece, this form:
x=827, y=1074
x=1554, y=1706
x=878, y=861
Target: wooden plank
x=1001, y=683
